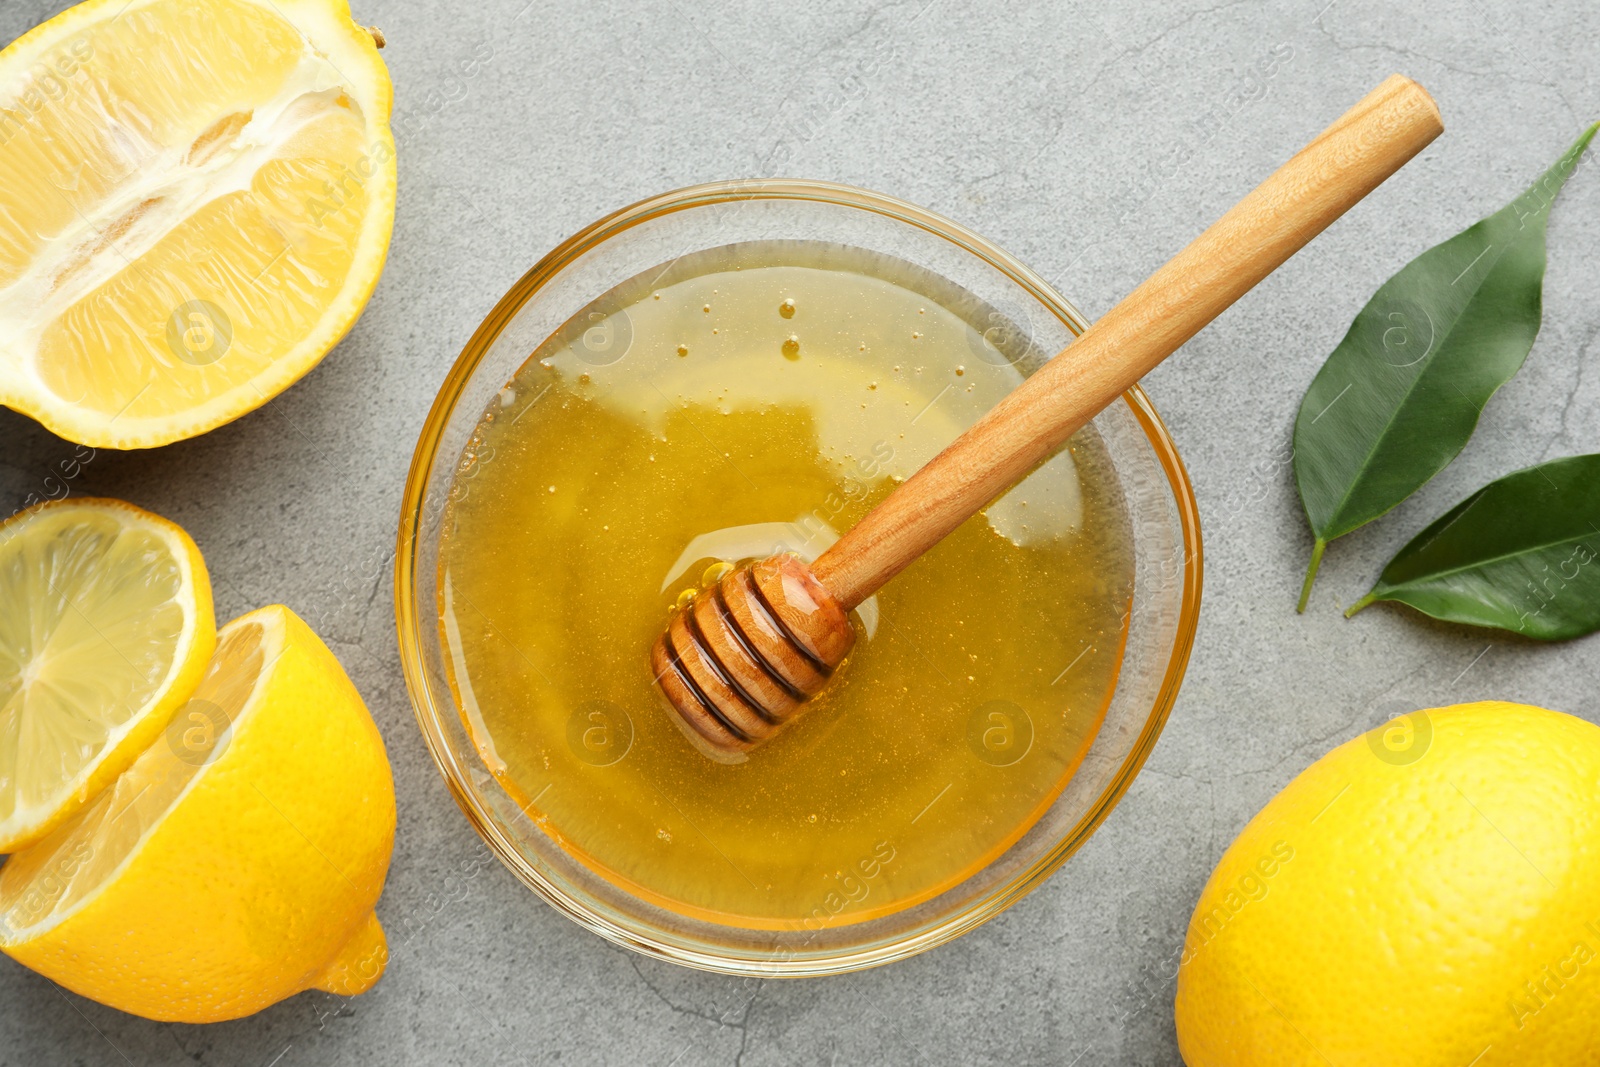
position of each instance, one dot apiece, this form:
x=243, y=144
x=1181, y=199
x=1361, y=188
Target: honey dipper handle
x=1323, y=180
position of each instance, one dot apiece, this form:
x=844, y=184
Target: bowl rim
x=410, y=636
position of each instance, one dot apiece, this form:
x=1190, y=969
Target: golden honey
x=756, y=398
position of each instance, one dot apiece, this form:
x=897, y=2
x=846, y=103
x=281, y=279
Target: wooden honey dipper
x=739, y=662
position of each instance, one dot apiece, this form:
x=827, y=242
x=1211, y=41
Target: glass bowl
x=1023, y=321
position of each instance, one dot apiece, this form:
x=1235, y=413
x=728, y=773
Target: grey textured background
x=1092, y=140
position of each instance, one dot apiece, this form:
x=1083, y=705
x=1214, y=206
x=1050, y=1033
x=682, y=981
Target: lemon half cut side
x=238, y=861
x=196, y=201
x=105, y=628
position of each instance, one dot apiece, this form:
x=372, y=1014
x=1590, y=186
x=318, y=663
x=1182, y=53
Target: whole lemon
x=1427, y=893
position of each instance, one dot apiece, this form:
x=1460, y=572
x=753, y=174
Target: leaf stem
x=1311, y=574
x=1358, y=605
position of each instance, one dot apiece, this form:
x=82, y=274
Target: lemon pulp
x=107, y=622
x=755, y=397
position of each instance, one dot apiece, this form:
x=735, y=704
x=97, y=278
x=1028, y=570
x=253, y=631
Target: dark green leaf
x=1522, y=554
x=1401, y=394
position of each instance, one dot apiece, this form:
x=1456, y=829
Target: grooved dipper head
x=739, y=661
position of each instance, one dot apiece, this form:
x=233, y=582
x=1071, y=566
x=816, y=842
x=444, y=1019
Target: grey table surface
x=1091, y=140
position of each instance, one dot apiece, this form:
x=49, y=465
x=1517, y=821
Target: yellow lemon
x=237, y=861
x=105, y=629
x=196, y=201
x=1426, y=894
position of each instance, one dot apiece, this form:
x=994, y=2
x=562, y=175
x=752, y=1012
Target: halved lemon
x=237, y=862
x=196, y=200
x=105, y=629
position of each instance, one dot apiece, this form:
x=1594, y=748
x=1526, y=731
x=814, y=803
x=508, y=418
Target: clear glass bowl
x=1029, y=321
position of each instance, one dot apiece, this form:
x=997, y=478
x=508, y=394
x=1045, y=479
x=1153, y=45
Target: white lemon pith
x=105, y=628
x=1427, y=894
x=238, y=861
x=198, y=201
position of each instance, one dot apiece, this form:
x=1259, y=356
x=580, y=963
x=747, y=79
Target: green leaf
x=1401, y=394
x=1521, y=554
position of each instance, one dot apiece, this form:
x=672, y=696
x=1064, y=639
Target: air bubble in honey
x=786, y=309
x=791, y=347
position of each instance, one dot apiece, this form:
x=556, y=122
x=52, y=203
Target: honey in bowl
x=756, y=398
